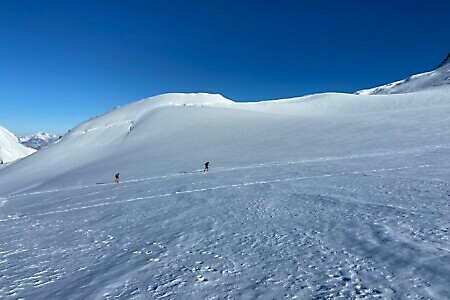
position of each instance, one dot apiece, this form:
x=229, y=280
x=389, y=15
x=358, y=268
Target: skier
x=206, y=167
x=131, y=126
x=117, y=178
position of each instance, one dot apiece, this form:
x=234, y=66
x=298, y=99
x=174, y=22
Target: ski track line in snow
x=253, y=166
x=123, y=187
x=101, y=185
x=333, y=158
x=119, y=187
x=237, y=185
x=81, y=132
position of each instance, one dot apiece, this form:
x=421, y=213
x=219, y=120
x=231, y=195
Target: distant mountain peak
x=440, y=76
x=38, y=140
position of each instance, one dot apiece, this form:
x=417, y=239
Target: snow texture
x=10, y=148
x=329, y=196
x=438, y=77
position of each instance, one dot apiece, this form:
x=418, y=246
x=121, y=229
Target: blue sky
x=62, y=62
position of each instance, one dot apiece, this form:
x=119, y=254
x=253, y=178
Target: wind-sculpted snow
x=317, y=228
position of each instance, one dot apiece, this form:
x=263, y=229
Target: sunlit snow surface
x=364, y=216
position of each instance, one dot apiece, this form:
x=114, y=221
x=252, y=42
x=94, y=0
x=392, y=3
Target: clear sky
x=63, y=62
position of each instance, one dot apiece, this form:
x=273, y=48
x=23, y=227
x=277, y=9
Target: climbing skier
x=206, y=166
x=117, y=178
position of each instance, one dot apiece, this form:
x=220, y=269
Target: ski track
x=117, y=188
x=253, y=166
x=237, y=185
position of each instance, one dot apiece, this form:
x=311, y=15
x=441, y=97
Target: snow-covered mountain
x=435, y=78
x=38, y=140
x=10, y=148
x=328, y=196
x=176, y=132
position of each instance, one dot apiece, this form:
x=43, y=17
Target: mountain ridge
x=177, y=132
x=439, y=76
x=38, y=140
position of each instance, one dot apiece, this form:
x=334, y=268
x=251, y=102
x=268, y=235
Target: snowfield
x=329, y=196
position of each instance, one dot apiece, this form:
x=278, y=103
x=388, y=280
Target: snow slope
x=438, y=77
x=329, y=196
x=38, y=140
x=10, y=148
